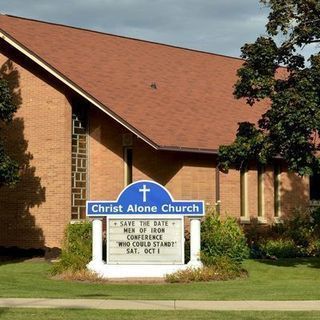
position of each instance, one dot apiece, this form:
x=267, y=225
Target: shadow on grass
x=16, y=255
x=292, y=262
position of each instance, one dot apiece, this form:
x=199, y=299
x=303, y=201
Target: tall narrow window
x=314, y=185
x=127, y=157
x=277, y=185
x=79, y=154
x=261, y=171
x=218, y=190
x=243, y=193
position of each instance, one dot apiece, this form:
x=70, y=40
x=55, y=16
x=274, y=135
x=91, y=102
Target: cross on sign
x=144, y=191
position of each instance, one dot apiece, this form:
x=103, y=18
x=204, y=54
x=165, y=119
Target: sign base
x=114, y=271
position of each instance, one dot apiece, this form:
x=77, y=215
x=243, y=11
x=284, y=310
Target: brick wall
x=106, y=170
x=35, y=212
x=186, y=175
x=294, y=191
x=230, y=193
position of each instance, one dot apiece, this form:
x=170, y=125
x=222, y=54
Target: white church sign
x=145, y=232
x=140, y=241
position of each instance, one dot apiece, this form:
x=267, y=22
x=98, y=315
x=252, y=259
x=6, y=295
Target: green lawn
x=61, y=314
x=292, y=279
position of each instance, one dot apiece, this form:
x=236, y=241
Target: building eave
x=190, y=150
x=73, y=86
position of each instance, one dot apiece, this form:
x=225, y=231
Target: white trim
x=72, y=86
x=244, y=191
x=260, y=187
x=245, y=220
x=277, y=220
x=127, y=271
x=262, y=220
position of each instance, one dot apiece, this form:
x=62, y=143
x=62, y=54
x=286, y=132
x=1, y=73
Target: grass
x=61, y=314
x=291, y=279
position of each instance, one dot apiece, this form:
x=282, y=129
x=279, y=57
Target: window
x=243, y=193
x=217, y=190
x=127, y=157
x=261, y=171
x=314, y=187
x=277, y=185
x=79, y=167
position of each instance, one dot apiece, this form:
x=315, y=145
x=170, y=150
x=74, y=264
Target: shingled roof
x=173, y=98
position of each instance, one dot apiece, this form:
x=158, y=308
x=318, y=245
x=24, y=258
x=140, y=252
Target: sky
x=219, y=26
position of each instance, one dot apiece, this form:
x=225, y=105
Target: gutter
x=192, y=150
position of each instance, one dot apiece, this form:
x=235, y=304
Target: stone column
x=96, y=243
x=195, y=242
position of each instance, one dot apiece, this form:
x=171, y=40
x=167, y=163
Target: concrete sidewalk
x=160, y=304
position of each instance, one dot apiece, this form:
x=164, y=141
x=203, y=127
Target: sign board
x=145, y=241
x=145, y=225
x=145, y=198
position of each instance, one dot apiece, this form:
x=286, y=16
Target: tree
x=275, y=69
x=9, y=169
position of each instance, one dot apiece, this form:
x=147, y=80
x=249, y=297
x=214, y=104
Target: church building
x=98, y=111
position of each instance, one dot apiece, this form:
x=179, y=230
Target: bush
x=280, y=248
x=223, y=269
x=299, y=226
x=297, y=235
x=222, y=238
x=76, y=251
x=314, y=248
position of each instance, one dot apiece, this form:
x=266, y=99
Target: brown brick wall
x=294, y=191
x=230, y=193
x=186, y=175
x=252, y=179
x=105, y=156
x=35, y=212
x=269, y=193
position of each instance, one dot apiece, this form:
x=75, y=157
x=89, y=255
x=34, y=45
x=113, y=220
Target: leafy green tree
x=9, y=169
x=275, y=69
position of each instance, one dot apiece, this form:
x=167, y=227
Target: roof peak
x=121, y=36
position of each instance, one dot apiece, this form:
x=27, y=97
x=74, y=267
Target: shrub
x=299, y=226
x=222, y=238
x=83, y=275
x=280, y=248
x=314, y=248
x=76, y=251
x=223, y=269
x=299, y=234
